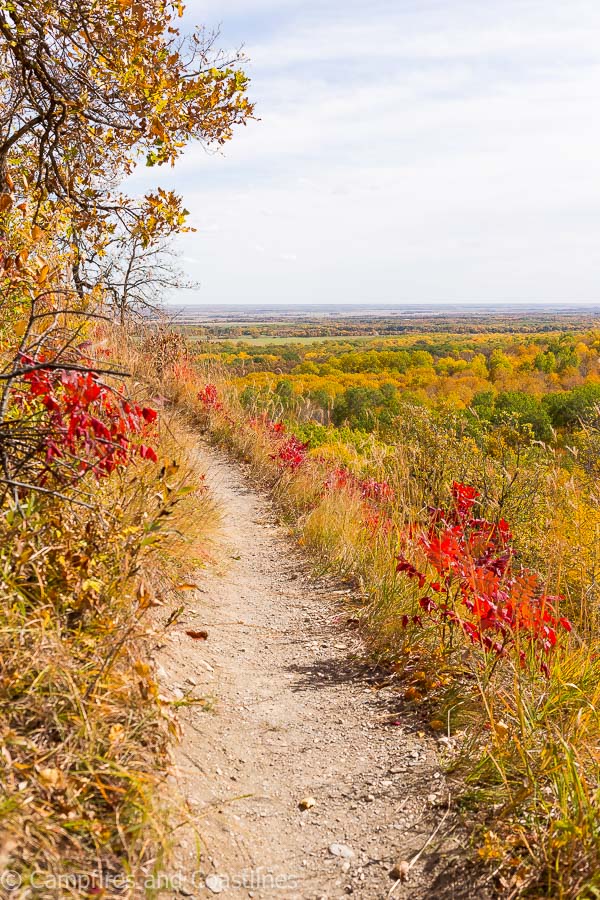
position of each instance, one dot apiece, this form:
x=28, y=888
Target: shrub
x=479, y=586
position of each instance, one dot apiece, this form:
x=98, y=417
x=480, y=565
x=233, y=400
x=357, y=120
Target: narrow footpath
x=298, y=784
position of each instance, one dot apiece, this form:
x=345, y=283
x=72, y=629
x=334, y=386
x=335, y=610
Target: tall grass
x=84, y=736
x=526, y=745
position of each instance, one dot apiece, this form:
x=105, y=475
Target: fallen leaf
x=53, y=778
x=437, y=725
x=116, y=733
x=198, y=635
x=502, y=730
x=400, y=871
x=412, y=694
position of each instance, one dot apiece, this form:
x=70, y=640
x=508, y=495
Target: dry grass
x=527, y=746
x=84, y=737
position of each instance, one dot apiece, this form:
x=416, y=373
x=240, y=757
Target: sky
x=408, y=151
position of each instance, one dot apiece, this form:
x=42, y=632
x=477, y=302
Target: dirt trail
x=293, y=717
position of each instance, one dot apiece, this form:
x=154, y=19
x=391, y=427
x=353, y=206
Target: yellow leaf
x=53, y=778
x=116, y=733
x=142, y=669
x=412, y=694
x=502, y=730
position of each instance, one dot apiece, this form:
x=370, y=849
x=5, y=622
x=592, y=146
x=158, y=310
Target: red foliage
x=464, y=497
x=263, y=421
x=87, y=426
x=369, y=489
x=148, y=453
x=339, y=479
x=478, y=585
x=209, y=397
x=379, y=491
x=149, y=415
x=291, y=454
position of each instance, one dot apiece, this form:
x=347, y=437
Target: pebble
x=341, y=850
x=215, y=884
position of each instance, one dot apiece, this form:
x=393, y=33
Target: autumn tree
x=89, y=90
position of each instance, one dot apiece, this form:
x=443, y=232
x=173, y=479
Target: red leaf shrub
x=378, y=491
x=291, y=454
x=263, y=421
x=368, y=489
x=478, y=585
x=85, y=425
x=209, y=397
x=338, y=479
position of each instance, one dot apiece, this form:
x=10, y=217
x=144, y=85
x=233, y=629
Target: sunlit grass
x=526, y=746
x=84, y=739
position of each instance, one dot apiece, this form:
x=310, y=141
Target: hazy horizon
x=176, y=300
x=405, y=150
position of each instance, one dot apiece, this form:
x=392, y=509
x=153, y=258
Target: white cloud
x=406, y=151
